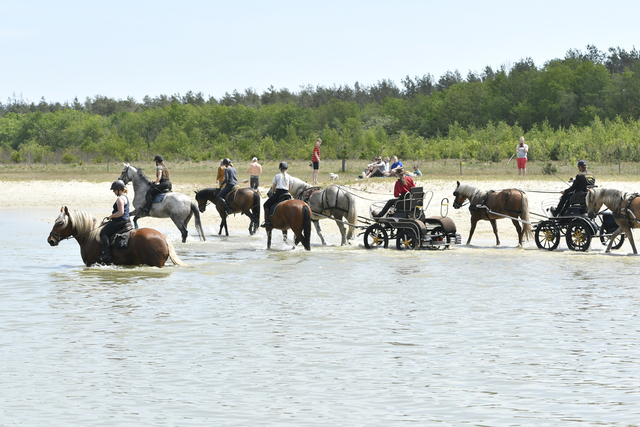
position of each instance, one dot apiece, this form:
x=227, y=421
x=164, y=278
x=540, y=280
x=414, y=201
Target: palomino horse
x=176, y=206
x=625, y=209
x=493, y=205
x=295, y=215
x=245, y=201
x=146, y=245
x=331, y=203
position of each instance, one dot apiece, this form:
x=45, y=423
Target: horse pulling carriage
x=407, y=224
x=575, y=225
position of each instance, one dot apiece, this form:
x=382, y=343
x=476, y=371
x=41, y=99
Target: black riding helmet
x=117, y=185
x=159, y=158
x=283, y=166
x=226, y=161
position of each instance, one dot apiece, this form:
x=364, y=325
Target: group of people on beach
x=384, y=168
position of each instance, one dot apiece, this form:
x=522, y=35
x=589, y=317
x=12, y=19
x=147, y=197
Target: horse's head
x=203, y=197
x=62, y=228
x=127, y=174
x=202, y=201
x=459, y=197
x=593, y=203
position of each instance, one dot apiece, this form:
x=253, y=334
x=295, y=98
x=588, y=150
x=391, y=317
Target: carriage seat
x=410, y=205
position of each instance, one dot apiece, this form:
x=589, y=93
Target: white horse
x=176, y=206
x=333, y=203
x=625, y=209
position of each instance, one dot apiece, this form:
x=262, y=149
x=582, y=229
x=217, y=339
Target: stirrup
x=266, y=224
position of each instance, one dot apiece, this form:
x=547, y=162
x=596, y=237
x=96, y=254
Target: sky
x=61, y=49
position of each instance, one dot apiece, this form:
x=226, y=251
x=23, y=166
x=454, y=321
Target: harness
x=325, y=203
x=629, y=215
x=483, y=207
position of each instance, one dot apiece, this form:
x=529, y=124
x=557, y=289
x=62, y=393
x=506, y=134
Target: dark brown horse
x=243, y=201
x=146, y=246
x=295, y=215
x=493, y=205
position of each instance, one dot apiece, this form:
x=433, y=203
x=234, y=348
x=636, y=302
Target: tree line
x=586, y=104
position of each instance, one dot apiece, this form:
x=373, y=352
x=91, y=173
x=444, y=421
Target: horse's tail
x=174, y=256
x=306, y=227
x=352, y=215
x=524, y=215
x=196, y=214
x=256, y=207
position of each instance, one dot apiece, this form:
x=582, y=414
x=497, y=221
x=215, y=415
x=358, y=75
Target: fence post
x=344, y=165
x=619, y=167
x=460, y=167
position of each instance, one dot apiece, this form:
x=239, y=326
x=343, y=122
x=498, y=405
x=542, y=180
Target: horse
x=146, y=245
x=625, y=209
x=493, y=205
x=333, y=203
x=295, y=215
x=245, y=201
x=176, y=206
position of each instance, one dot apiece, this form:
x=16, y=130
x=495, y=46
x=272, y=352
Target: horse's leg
x=269, y=238
x=343, y=231
x=316, y=224
x=516, y=223
x=226, y=227
x=284, y=237
x=474, y=222
x=181, y=227
x=494, y=224
x=613, y=236
x=135, y=222
x=630, y=237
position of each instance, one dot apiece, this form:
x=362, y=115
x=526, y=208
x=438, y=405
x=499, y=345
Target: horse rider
x=583, y=180
x=230, y=180
x=403, y=186
x=281, y=185
x=162, y=184
x=115, y=222
x=220, y=175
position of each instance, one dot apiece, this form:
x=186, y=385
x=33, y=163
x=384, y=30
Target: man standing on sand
x=315, y=159
x=255, y=170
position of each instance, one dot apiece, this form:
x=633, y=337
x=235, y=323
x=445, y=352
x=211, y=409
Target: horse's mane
x=208, y=192
x=297, y=182
x=470, y=192
x=607, y=196
x=82, y=223
x=140, y=173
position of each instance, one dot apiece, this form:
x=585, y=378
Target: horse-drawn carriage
x=407, y=224
x=575, y=225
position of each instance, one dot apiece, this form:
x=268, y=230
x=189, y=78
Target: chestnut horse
x=625, y=209
x=493, y=205
x=244, y=201
x=146, y=246
x=295, y=215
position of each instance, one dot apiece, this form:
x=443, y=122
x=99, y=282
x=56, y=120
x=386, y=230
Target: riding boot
x=267, y=221
x=226, y=206
x=148, y=201
x=105, y=257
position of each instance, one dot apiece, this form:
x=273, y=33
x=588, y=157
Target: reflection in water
x=470, y=336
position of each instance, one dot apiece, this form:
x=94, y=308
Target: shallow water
x=336, y=336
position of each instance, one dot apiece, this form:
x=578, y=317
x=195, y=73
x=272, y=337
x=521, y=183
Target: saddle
x=120, y=240
x=159, y=197
x=282, y=199
x=231, y=196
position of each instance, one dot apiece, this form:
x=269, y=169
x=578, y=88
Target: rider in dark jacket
x=583, y=180
x=118, y=219
x=230, y=180
x=160, y=185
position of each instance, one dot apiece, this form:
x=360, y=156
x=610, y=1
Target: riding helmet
x=117, y=185
x=226, y=161
x=284, y=165
x=159, y=158
x=582, y=163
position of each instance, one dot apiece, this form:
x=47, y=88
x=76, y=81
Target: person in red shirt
x=402, y=187
x=315, y=159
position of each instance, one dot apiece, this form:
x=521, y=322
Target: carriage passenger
x=230, y=180
x=281, y=185
x=115, y=222
x=162, y=184
x=583, y=180
x=404, y=184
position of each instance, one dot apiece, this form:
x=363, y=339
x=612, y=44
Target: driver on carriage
x=583, y=180
x=115, y=222
x=160, y=185
x=281, y=185
x=230, y=181
x=403, y=186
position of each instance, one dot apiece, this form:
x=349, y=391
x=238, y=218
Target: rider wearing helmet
x=583, y=181
x=281, y=185
x=160, y=185
x=115, y=222
x=230, y=180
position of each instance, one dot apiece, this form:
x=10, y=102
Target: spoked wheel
x=617, y=242
x=407, y=240
x=578, y=236
x=438, y=235
x=375, y=237
x=547, y=236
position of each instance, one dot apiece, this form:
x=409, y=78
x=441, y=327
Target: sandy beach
x=97, y=199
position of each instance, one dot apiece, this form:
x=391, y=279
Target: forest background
x=586, y=105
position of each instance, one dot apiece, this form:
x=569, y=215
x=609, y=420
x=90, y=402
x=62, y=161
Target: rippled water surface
x=335, y=336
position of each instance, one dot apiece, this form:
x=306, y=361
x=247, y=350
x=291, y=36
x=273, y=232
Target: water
x=335, y=336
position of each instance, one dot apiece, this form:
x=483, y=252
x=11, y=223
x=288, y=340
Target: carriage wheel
x=547, y=236
x=438, y=235
x=617, y=243
x=578, y=236
x=375, y=236
x=407, y=240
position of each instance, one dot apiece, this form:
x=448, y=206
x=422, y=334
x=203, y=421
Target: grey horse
x=332, y=202
x=176, y=206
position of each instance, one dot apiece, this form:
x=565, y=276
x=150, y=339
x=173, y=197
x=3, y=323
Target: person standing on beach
x=255, y=170
x=315, y=159
x=522, y=149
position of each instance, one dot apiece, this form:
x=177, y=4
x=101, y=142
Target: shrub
x=69, y=158
x=549, y=169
